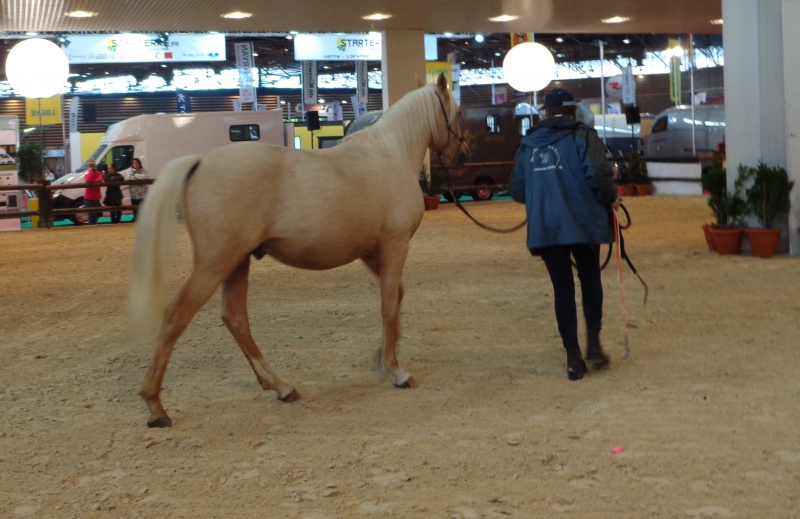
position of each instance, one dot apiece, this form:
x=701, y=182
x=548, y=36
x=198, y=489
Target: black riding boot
x=576, y=367
x=594, y=351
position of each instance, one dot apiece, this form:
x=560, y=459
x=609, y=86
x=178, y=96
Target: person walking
x=562, y=175
x=113, y=196
x=92, y=195
x=138, y=192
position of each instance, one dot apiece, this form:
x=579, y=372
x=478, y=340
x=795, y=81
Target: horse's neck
x=407, y=135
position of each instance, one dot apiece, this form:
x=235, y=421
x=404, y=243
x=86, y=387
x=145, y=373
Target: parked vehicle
x=156, y=139
x=620, y=137
x=670, y=138
x=494, y=133
x=5, y=158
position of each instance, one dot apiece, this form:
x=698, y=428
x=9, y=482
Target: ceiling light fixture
x=81, y=14
x=717, y=21
x=237, y=15
x=479, y=38
x=504, y=18
x=377, y=16
x=616, y=19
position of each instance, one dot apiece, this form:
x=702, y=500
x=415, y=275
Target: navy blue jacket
x=562, y=175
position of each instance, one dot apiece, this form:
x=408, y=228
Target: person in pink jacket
x=92, y=196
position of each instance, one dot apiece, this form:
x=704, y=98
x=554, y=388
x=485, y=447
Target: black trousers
x=558, y=261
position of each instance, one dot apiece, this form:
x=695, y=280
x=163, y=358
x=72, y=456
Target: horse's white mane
x=405, y=115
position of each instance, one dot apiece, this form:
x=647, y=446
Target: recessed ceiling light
x=80, y=14
x=560, y=39
x=237, y=15
x=716, y=21
x=616, y=19
x=377, y=16
x=504, y=18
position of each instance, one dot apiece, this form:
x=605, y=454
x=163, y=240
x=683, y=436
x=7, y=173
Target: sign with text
x=434, y=68
x=49, y=110
x=338, y=47
x=74, y=103
x=362, y=82
x=143, y=48
x=244, y=63
x=309, y=78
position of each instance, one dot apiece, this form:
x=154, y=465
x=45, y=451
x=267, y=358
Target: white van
x=156, y=139
x=670, y=138
x=5, y=158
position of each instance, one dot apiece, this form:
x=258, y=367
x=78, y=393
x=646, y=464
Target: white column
x=403, y=64
x=760, y=77
x=791, y=86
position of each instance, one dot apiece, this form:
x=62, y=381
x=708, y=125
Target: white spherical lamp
x=37, y=68
x=529, y=66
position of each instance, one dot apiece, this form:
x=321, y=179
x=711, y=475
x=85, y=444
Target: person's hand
x=616, y=204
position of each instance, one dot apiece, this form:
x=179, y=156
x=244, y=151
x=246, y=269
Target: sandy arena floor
x=707, y=407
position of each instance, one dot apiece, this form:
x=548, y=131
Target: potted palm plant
x=725, y=235
x=432, y=187
x=637, y=173
x=767, y=198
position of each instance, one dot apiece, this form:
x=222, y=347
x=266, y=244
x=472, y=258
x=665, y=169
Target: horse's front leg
x=389, y=269
x=234, y=315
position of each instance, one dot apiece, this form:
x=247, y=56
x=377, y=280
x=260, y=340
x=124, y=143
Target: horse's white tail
x=155, y=244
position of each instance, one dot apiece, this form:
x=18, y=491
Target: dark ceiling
x=646, y=24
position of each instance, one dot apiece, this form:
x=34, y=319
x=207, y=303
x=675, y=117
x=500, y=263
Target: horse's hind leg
x=234, y=315
x=195, y=292
x=389, y=269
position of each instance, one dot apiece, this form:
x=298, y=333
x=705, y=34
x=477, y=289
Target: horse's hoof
x=408, y=384
x=161, y=422
x=294, y=396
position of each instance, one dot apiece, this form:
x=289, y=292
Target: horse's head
x=447, y=140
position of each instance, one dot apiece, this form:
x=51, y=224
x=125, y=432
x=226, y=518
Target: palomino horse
x=316, y=209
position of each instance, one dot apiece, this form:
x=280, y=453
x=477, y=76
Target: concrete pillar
x=791, y=87
x=761, y=76
x=403, y=64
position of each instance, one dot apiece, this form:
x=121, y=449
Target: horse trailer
x=677, y=135
x=493, y=132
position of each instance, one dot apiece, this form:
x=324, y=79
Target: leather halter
x=450, y=131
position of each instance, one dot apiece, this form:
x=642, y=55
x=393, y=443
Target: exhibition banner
x=434, y=68
x=49, y=109
x=143, y=48
x=244, y=63
x=74, y=103
x=309, y=78
x=338, y=47
x=362, y=82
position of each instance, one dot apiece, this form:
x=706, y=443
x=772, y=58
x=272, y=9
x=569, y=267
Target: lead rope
x=464, y=210
x=623, y=307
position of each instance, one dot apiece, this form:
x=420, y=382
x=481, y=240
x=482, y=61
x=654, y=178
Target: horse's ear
x=441, y=84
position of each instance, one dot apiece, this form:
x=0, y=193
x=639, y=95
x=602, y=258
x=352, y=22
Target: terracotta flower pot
x=709, y=237
x=763, y=242
x=431, y=202
x=728, y=240
x=642, y=189
x=626, y=190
